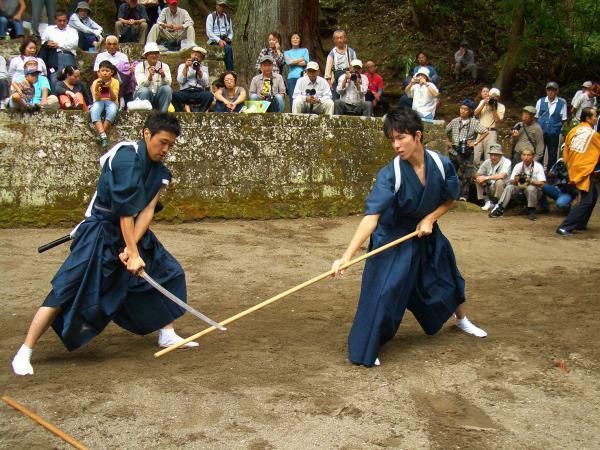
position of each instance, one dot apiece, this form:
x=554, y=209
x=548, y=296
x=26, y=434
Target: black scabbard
x=55, y=243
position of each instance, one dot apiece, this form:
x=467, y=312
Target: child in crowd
x=105, y=92
x=22, y=91
x=72, y=92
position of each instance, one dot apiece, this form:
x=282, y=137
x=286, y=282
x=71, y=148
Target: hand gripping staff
x=288, y=292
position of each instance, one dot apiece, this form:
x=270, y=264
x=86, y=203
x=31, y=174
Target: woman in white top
x=28, y=50
x=424, y=94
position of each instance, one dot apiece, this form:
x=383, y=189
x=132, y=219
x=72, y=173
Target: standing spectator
x=338, y=61
x=219, y=29
x=111, y=53
x=36, y=13
x=352, y=88
x=464, y=133
x=492, y=177
x=11, y=15
x=312, y=93
x=585, y=98
x=230, y=97
x=153, y=79
x=151, y=7
x=582, y=153
x=105, y=92
x=464, y=59
x=551, y=112
x=268, y=86
x=71, y=91
x=174, y=26
x=60, y=43
x=490, y=113
x=27, y=50
x=296, y=59
x=90, y=33
x=194, y=83
x=527, y=179
x=422, y=62
x=558, y=188
x=132, y=22
x=375, y=92
x=424, y=95
x=527, y=134
x=274, y=51
x=41, y=88
x=4, y=81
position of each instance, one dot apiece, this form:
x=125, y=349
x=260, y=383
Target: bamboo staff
x=288, y=292
x=48, y=426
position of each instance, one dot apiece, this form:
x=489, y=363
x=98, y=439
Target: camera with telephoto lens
x=311, y=92
x=493, y=103
x=195, y=64
x=463, y=149
x=523, y=181
x=353, y=75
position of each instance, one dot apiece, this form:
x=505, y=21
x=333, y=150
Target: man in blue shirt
x=551, y=112
x=219, y=30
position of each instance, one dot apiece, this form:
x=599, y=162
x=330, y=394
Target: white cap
x=199, y=50
x=151, y=47
x=356, y=62
x=312, y=65
x=494, y=92
x=423, y=71
x=587, y=84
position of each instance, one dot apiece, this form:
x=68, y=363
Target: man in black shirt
x=132, y=22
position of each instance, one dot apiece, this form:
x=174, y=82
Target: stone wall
x=224, y=165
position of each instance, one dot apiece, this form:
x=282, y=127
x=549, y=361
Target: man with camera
x=338, y=61
x=527, y=179
x=551, y=112
x=492, y=176
x=490, y=113
x=527, y=134
x=194, y=83
x=424, y=94
x=464, y=133
x=268, y=86
x=352, y=88
x=153, y=79
x=174, y=26
x=312, y=94
x=219, y=30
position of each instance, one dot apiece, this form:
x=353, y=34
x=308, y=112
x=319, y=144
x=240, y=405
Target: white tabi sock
x=468, y=327
x=21, y=362
x=168, y=337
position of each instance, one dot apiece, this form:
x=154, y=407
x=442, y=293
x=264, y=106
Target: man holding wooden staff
x=411, y=192
x=97, y=282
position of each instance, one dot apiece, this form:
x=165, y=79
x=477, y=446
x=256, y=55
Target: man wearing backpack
x=219, y=30
x=551, y=112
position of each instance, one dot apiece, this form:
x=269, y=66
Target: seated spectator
x=174, y=27
x=22, y=91
x=41, y=90
x=219, y=29
x=464, y=133
x=192, y=77
x=27, y=50
x=268, y=86
x=151, y=7
x=312, y=93
x=558, y=188
x=464, y=60
x=490, y=113
x=584, y=98
x=153, y=79
x=352, y=88
x=216, y=86
x=111, y=54
x=424, y=95
x=551, y=112
x=274, y=51
x=105, y=92
x=125, y=70
x=90, y=33
x=375, y=92
x=296, y=59
x=59, y=45
x=422, y=62
x=527, y=180
x=132, y=22
x=11, y=16
x=4, y=81
x=338, y=61
x=492, y=177
x=71, y=91
x=527, y=134
x=230, y=97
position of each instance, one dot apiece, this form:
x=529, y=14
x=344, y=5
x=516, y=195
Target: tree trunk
x=254, y=19
x=513, y=57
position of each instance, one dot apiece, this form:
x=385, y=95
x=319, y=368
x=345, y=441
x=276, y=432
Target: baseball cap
x=265, y=58
x=494, y=92
x=32, y=71
x=587, y=84
x=495, y=149
x=529, y=109
x=199, y=50
x=356, y=62
x=552, y=85
x=468, y=103
x=172, y=2
x=313, y=65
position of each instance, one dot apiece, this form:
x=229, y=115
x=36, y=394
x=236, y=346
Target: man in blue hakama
x=97, y=283
x=411, y=192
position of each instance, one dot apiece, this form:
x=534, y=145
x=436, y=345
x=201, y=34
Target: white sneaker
x=468, y=327
x=487, y=206
x=21, y=362
x=167, y=338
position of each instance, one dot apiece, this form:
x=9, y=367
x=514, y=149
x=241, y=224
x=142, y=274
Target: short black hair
x=295, y=33
x=402, y=120
x=586, y=113
x=26, y=43
x=228, y=72
x=60, y=13
x=108, y=65
x=218, y=83
x=162, y=121
x=65, y=72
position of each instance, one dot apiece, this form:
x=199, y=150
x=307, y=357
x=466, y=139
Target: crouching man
x=312, y=94
x=492, y=176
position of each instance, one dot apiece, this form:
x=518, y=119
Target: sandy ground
x=280, y=379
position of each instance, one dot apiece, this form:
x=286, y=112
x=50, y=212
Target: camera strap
x=528, y=137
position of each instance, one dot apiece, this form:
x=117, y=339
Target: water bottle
x=7, y=37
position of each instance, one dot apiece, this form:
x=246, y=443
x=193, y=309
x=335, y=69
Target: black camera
x=311, y=92
x=353, y=76
x=518, y=127
x=493, y=102
x=463, y=149
x=195, y=64
x=224, y=37
x=522, y=181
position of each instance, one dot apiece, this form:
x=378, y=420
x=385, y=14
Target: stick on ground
x=48, y=426
x=286, y=293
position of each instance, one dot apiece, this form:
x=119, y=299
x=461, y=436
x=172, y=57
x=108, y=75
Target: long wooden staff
x=288, y=292
x=48, y=426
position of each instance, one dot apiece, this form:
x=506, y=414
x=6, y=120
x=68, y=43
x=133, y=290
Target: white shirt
x=192, y=80
x=551, y=108
x=536, y=173
x=350, y=94
x=113, y=59
x=15, y=68
x=320, y=85
x=487, y=169
x=142, y=70
x=67, y=38
x=423, y=102
x=582, y=100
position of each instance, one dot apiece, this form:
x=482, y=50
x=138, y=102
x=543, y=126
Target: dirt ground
x=279, y=378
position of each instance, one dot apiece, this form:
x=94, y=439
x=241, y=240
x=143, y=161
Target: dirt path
x=279, y=378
